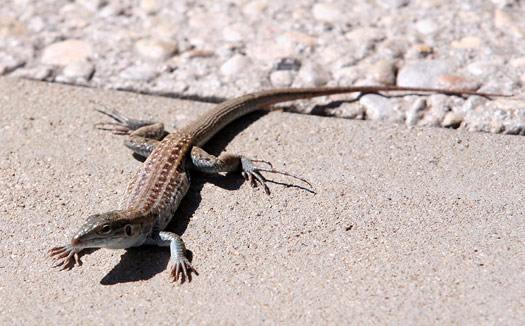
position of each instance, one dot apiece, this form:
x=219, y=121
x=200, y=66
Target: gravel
x=194, y=49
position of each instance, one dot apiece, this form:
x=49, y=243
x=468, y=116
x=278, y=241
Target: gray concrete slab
x=406, y=226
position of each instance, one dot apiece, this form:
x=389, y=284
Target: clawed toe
x=181, y=269
x=252, y=173
x=65, y=256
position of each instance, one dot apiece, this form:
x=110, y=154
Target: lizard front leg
x=143, y=135
x=205, y=162
x=180, y=266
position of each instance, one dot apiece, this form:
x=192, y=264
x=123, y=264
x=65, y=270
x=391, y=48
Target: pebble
x=142, y=73
x=518, y=62
x=354, y=110
x=301, y=38
x=483, y=68
x=383, y=72
x=312, y=75
x=326, y=12
x=423, y=73
x=340, y=43
x=66, y=52
x=427, y=26
x=254, y=8
x=467, y=43
x=10, y=26
x=451, y=81
x=281, y=78
x=237, y=32
x=269, y=51
x=155, y=50
x=9, y=63
x=36, y=73
x=149, y=6
x=379, y=108
x=393, y=3
x=235, y=65
x=501, y=19
x=79, y=69
x=288, y=64
x=451, y=120
x=416, y=112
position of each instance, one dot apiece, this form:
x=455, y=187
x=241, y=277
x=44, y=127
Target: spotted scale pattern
x=159, y=185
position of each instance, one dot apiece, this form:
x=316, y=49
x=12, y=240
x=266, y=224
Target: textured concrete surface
x=406, y=226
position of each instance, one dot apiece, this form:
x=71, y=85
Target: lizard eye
x=105, y=229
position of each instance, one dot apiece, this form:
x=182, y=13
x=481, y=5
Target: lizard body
x=159, y=185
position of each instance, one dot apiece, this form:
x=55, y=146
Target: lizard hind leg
x=205, y=162
x=143, y=135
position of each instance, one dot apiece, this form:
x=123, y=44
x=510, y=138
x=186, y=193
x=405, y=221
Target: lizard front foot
x=180, y=267
x=251, y=173
x=65, y=256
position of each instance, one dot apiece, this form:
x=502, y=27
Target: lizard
x=156, y=190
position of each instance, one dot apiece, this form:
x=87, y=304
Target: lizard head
x=107, y=230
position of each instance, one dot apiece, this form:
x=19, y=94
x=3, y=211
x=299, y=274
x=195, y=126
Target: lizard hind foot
x=181, y=268
x=252, y=173
x=122, y=125
x=65, y=256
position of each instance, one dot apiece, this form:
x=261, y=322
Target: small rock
x=66, y=52
x=379, y=108
x=354, y=110
x=254, y=8
x=10, y=26
x=237, y=32
x=522, y=79
x=37, y=73
x=452, y=120
x=301, y=38
x=79, y=69
x=423, y=73
x=155, y=50
x=416, y=112
x=365, y=33
x=235, y=65
x=92, y=5
x=384, y=72
x=326, y=12
x=469, y=42
x=427, y=26
x=518, y=62
x=423, y=48
x=167, y=31
x=269, y=51
x=450, y=81
x=144, y=73
x=113, y=9
x=281, y=78
x=197, y=53
x=501, y=19
x=393, y=3
x=36, y=24
x=393, y=48
x=9, y=63
x=483, y=68
x=312, y=75
x=149, y=6
x=288, y=64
